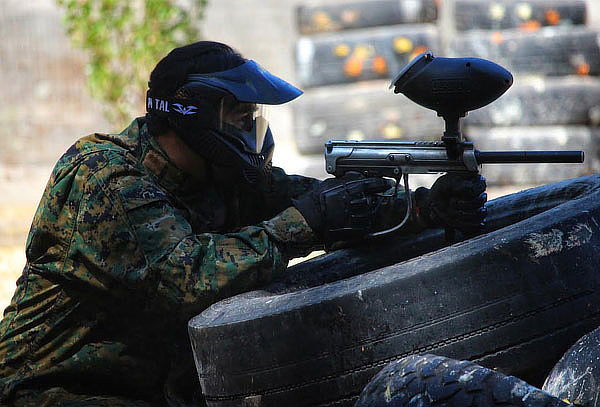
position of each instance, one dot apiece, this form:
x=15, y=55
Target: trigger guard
x=409, y=209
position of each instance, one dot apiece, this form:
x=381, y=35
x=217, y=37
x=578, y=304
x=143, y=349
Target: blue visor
x=250, y=83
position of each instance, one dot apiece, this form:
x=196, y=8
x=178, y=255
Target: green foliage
x=125, y=39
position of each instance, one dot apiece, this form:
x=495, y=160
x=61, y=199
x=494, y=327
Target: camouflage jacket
x=124, y=248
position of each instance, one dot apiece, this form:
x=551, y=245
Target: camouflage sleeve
x=145, y=242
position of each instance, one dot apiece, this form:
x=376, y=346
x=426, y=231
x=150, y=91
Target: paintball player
x=139, y=231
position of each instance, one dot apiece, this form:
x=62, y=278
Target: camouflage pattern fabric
x=123, y=249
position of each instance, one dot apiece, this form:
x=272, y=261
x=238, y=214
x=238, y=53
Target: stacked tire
x=430, y=380
x=346, y=56
x=514, y=300
x=554, y=103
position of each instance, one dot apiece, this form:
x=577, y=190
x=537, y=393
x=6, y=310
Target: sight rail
x=394, y=158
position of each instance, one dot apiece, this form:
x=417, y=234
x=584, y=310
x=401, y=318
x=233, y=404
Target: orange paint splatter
x=380, y=65
x=583, y=69
x=552, y=16
x=350, y=16
x=497, y=37
x=353, y=66
x=530, y=26
x=418, y=50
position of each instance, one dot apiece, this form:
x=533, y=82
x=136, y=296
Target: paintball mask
x=221, y=116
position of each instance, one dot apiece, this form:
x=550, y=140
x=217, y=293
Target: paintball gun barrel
x=395, y=158
x=452, y=87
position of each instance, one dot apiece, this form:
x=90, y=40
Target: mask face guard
x=247, y=121
x=222, y=115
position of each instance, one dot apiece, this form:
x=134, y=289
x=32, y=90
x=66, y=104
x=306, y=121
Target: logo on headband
x=163, y=106
x=158, y=104
x=184, y=110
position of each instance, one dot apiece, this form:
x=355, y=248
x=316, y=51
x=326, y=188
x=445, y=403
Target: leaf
x=125, y=39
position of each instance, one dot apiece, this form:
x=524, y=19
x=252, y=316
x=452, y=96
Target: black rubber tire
x=359, y=55
x=429, y=380
x=366, y=111
x=505, y=14
x=312, y=19
x=496, y=299
x=537, y=138
x=370, y=255
x=549, y=51
x=577, y=374
x=543, y=102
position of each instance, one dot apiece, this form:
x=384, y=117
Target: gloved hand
x=455, y=201
x=341, y=209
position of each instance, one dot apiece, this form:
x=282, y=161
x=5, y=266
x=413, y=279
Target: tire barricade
x=319, y=335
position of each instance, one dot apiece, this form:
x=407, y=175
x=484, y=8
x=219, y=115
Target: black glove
x=345, y=208
x=455, y=201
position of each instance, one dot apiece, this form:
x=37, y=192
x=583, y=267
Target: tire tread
x=430, y=380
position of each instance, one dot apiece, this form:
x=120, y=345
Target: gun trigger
x=409, y=210
x=396, y=188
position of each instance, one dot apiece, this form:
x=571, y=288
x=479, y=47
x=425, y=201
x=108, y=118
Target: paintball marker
x=452, y=87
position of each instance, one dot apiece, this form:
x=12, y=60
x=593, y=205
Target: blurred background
x=66, y=70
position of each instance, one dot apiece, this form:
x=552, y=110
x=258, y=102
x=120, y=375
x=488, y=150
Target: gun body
x=394, y=159
x=452, y=87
